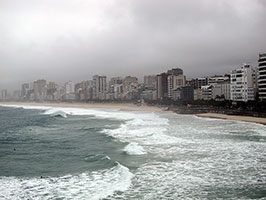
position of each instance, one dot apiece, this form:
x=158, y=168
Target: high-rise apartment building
x=242, y=84
x=70, y=87
x=69, y=91
x=262, y=76
x=168, y=82
x=130, y=87
x=99, y=87
x=24, y=90
x=39, y=85
x=150, y=81
x=114, y=81
x=162, y=89
x=39, y=89
x=175, y=81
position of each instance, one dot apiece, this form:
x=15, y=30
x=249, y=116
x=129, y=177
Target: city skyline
x=140, y=78
x=245, y=83
x=73, y=40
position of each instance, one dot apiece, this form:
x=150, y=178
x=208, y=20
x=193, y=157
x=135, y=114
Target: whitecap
x=134, y=149
x=56, y=113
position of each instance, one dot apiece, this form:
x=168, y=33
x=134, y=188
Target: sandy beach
x=259, y=120
x=119, y=106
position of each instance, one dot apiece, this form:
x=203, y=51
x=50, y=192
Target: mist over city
x=62, y=40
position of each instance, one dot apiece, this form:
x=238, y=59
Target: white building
x=262, y=76
x=174, y=82
x=218, y=79
x=207, y=92
x=221, y=91
x=242, y=84
x=221, y=88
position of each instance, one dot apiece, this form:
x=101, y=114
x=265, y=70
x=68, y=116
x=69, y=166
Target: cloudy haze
x=62, y=40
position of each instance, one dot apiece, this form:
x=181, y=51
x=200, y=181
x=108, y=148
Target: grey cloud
x=62, y=40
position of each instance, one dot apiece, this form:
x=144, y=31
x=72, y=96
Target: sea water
x=78, y=153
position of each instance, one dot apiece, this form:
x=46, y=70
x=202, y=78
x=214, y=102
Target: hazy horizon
x=61, y=40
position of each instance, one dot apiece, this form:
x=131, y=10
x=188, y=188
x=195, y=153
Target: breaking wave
x=143, y=128
x=92, y=185
x=56, y=113
x=134, y=149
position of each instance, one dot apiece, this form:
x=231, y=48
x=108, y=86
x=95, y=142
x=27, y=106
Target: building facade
x=39, y=89
x=183, y=93
x=207, y=92
x=70, y=87
x=221, y=91
x=99, y=87
x=173, y=82
x=24, y=91
x=162, y=88
x=199, y=82
x=242, y=84
x=262, y=76
x=150, y=81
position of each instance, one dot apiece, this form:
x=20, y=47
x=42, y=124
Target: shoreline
x=138, y=108
x=258, y=120
x=119, y=106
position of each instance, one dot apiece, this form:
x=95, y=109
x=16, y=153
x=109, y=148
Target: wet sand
x=259, y=120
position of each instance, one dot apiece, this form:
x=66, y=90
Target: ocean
x=78, y=153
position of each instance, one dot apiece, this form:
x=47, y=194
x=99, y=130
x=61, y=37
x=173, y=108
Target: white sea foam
x=134, y=149
x=207, y=118
x=56, y=112
x=195, y=158
x=91, y=185
x=100, y=113
x=26, y=106
x=144, y=128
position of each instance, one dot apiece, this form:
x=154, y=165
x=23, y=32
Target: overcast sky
x=62, y=40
